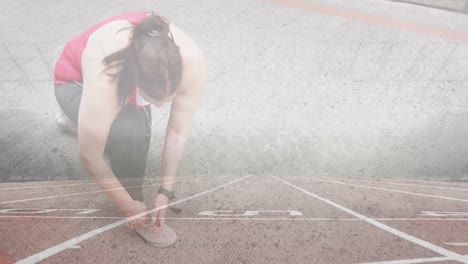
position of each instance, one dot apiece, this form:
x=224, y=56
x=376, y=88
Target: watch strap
x=167, y=193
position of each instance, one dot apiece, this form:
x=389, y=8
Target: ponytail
x=151, y=61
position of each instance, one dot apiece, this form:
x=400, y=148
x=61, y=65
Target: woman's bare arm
x=183, y=107
x=99, y=108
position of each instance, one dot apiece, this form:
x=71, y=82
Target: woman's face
x=155, y=102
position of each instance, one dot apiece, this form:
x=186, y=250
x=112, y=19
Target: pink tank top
x=68, y=66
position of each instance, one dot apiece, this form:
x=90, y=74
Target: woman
x=105, y=81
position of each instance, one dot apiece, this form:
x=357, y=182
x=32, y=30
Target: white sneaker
x=165, y=238
x=64, y=123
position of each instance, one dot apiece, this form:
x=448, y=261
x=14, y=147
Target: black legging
x=128, y=141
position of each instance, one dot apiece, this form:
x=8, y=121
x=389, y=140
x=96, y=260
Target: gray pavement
x=290, y=91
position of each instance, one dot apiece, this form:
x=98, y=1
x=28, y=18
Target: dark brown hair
x=151, y=61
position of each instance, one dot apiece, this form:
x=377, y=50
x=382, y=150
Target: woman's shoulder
x=108, y=39
x=187, y=45
x=193, y=63
x=105, y=41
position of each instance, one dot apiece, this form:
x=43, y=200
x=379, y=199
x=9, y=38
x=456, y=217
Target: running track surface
x=249, y=219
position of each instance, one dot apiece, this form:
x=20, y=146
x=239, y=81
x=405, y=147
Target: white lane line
x=431, y=186
x=76, y=240
x=389, y=190
x=27, y=211
x=431, y=182
x=243, y=218
x=409, y=184
x=457, y=244
x=411, y=261
x=449, y=183
x=230, y=213
x=68, y=185
x=75, y=247
x=83, y=193
x=54, y=186
x=415, y=240
x=443, y=213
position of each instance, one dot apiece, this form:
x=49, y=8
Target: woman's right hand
x=135, y=208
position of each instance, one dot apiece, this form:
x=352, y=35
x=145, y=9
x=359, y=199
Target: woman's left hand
x=160, y=215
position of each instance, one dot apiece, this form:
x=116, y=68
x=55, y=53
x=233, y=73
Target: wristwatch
x=170, y=196
x=167, y=193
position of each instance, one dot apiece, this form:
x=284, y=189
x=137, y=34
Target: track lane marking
x=76, y=240
x=424, y=186
x=245, y=218
x=443, y=213
x=402, y=235
x=66, y=185
x=93, y=192
x=26, y=211
x=457, y=244
x=399, y=180
x=385, y=189
x=432, y=182
x=405, y=184
x=55, y=186
x=411, y=261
